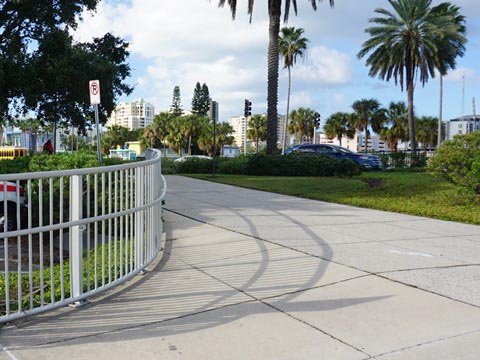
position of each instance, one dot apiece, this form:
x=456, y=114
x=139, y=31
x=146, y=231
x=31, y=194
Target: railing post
x=77, y=238
x=139, y=231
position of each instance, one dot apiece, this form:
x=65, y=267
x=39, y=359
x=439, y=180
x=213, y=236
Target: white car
x=186, y=157
x=10, y=195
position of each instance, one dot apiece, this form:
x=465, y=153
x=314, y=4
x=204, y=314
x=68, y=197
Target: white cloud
x=457, y=75
x=182, y=42
x=325, y=66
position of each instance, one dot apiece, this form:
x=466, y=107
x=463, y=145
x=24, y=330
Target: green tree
x=397, y=125
x=23, y=23
x=274, y=14
x=163, y=123
x=303, y=123
x=197, y=98
x=176, y=137
x=205, y=100
x=176, y=107
x=117, y=136
x=51, y=78
x=426, y=131
x=339, y=125
x=257, y=129
x=291, y=44
x=368, y=113
x=201, y=100
x=413, y=41
x=191, y=127
x=223, y=137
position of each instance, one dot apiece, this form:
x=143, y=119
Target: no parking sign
x=94, y=87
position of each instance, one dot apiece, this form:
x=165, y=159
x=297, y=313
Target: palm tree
x=163, y=122
x=257, y=129
x=368, y=113
x=397, y=122
x=339, y=125
x=290, y=44
x=149, y=134
x=274, y=14
x=190, y=127
x=303, y=123
x=176, y=138
x=412, y=42
x=223, y=137
x=426, y=129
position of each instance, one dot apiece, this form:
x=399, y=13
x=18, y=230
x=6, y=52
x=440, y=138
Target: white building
x=238, y=124
x=462, y=125
x=133, y=115
x=357, y=143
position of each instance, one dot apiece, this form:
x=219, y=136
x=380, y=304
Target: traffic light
x=248, y=108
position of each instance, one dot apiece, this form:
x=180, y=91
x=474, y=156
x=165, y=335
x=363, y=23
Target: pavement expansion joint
x=378, y=274
x=262, y=300
x=428, y=343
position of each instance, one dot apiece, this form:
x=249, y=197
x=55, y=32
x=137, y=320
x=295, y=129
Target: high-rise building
x=132, y=115
x=462, y=125
x=238, y=125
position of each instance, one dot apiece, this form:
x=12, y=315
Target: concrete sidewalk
x=253, y=275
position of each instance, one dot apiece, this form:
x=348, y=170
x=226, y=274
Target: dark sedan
x=366, y=161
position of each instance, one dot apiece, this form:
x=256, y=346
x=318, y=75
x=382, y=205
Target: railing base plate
x=78, y=304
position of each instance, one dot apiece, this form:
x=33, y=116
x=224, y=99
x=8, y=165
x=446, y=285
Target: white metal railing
x=67, y=235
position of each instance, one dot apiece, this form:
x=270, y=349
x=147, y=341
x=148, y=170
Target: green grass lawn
x=407, y=193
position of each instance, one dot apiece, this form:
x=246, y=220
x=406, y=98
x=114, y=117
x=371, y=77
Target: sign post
x=94, y=87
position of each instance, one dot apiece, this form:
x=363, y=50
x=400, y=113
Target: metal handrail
x=108, y=207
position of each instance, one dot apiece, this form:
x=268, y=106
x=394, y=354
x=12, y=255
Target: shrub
x=168, y=167
x=233, y=166
x=458, y=161
x=194, y=166
x=47, y=162
x=299, y=165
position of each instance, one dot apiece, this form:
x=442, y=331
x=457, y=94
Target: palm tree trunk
x=257, y=145
x=190, y=145
x=366, y=139
x=411, y=121
x=439, y=138
x=288, y=109
x=273, y=60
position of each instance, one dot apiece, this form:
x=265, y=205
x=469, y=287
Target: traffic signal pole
x=247, y=113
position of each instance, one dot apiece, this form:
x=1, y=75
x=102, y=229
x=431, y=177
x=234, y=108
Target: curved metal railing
x=68, y=235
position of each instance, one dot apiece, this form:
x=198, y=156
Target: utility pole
x=463, y=105
x=440, y=114
x=213, y=114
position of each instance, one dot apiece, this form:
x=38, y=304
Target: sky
x=182, y=42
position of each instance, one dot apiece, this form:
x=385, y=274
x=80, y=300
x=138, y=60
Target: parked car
x=10, y=196
x=366, y=161
x=186, y=157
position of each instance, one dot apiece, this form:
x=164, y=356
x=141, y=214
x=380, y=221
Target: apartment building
x=238, y=123
x=357, y=143
x=462, y=125
x=132, y=115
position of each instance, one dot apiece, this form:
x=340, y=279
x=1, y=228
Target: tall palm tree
x=397, y=125
x=412, y=42
x=274, y=14
x=291, y=44
x=257, y=129
x=339, y=125
x=368, y=113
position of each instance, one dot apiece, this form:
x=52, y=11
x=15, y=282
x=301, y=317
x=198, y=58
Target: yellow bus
x=11, y=152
